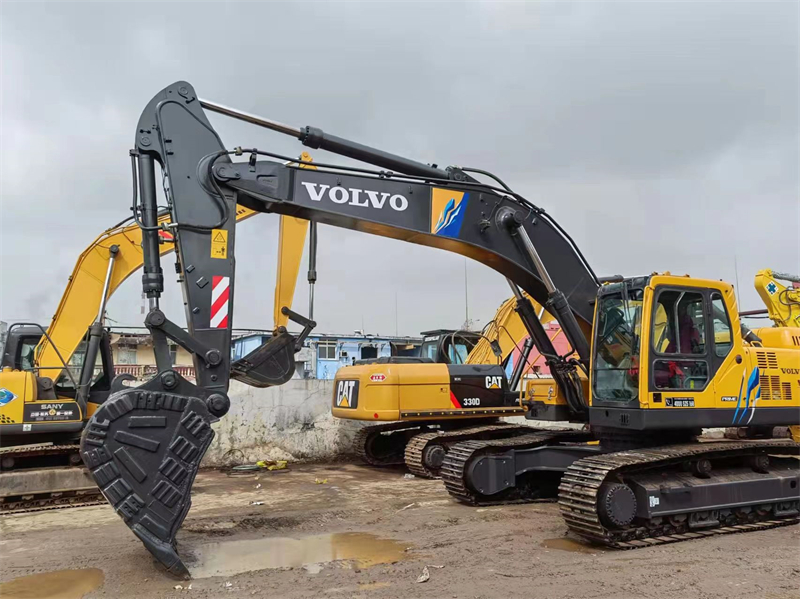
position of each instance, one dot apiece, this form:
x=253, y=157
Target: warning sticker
x=219, y=243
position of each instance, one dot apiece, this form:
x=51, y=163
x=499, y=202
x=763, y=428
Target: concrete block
x=290, y=422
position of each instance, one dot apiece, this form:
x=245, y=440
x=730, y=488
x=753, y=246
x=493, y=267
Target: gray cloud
x=663, y=136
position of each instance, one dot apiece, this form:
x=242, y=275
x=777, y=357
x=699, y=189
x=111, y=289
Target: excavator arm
x=782, y=302
x=507, y=330
x=117, y=253
x=144, y=445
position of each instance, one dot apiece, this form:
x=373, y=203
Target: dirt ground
x=314, y=513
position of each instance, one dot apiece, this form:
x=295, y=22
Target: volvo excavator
x=49, y=383
x=653, y=359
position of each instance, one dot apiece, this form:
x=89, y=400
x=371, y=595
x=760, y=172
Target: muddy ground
x=357, y=516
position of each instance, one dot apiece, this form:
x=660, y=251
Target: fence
x=142, y=371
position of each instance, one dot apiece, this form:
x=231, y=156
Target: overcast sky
x=662, y=136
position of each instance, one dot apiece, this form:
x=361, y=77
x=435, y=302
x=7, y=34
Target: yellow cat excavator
x=449, y=399
x=651, y=360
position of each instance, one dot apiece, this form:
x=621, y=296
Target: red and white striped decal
x=220, y=291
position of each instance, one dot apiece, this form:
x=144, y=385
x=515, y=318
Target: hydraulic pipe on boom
x=318, y=139
x=95, y=337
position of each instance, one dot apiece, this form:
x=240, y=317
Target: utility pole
x=395, y=315
x=466, y=296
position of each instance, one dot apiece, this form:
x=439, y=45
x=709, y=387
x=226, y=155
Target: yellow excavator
x=417, y=397
x=53, y=380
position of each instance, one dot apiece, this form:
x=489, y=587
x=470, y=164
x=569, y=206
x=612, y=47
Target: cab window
x=458, y=352
x=679, y=329
x=683, y=331
x=27, y=353
x=722, y=326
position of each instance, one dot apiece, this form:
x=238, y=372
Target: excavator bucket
x=270, y=364
x=143, y=447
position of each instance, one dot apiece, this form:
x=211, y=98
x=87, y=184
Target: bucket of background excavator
x=143, y=447
x=268, y=365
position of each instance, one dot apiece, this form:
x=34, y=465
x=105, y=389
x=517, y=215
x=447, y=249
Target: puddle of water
x=565, y=544
x=61, y=584
x=228, y=558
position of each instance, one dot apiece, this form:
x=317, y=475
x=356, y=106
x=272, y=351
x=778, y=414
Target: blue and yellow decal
x=447, y=211
x=6, y=397
x=753, y=389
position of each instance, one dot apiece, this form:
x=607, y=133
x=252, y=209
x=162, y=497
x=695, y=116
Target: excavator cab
x=446, y=346
x=668, y=348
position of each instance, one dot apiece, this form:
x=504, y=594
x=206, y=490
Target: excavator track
x=385, y=444
x=19, y=454
x=581, y=494
x=454, y=469
x=47, y=464
x=392, y=445
x=416, y=448
x=50, y=501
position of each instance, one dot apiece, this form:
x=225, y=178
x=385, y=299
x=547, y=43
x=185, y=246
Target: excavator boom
x=144, y=446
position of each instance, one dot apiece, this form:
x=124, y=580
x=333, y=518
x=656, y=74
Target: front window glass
x=27, y=350
x=429, y=348
x=458, y=352
x=616, y=359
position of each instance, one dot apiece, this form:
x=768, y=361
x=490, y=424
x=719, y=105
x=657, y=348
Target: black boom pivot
x=144, y=445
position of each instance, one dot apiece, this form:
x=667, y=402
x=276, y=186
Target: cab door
x=731, y=368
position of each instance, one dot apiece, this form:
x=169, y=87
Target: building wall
x=347, y=350
x=312, y=362
x=144, y=355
